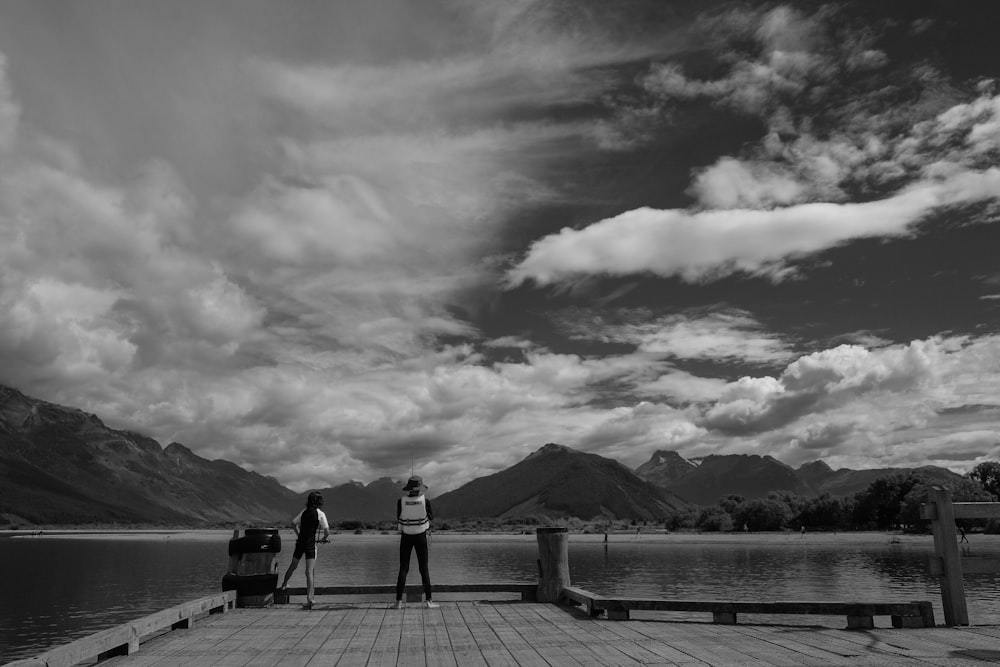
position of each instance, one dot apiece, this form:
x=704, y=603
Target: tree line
x=889, y=503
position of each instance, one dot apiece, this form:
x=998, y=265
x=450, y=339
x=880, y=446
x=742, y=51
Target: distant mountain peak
x=552, y=448
x=667, y=456
x=177, y=449
x=816, y=466
x=558, y=481
x=6, y=393
x=663, y=467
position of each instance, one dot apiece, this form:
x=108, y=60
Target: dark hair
x=315, y=499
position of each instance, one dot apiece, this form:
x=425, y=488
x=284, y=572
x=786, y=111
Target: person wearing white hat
x=413, y=514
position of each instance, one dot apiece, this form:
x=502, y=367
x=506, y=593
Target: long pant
x=408, y=543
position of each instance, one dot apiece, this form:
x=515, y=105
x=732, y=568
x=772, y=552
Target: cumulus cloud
x=817, y=382
x=895, y=406
x=682, y=388
x=704, y=245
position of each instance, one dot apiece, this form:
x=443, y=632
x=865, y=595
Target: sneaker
x=308, y=605
x=431, y=605
x=398, y=605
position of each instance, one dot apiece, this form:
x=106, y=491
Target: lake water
x=60, y=588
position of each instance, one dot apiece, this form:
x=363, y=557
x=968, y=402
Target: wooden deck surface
x=465, y=633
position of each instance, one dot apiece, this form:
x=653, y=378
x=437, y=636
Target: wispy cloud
x=789, y=195
x=718, y=335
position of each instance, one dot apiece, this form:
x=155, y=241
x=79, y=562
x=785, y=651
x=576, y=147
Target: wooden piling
x=553, y=562
x=946, y=547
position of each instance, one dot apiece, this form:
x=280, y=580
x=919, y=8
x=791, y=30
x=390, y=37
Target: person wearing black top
x=306, y=525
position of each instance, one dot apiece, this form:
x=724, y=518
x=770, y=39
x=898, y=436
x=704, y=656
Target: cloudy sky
x=321, y=238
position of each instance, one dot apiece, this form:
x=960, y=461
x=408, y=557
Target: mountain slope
x=355, y=501
x=664, y=467
x=847, y=482
x=62, y=465
x=557, y=481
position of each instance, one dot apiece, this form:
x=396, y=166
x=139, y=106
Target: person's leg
x=425, y=575
x=405, y=546
x=288, y=573
x=310, y=572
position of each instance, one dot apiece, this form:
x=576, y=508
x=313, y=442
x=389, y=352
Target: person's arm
x=430, y=512
x=295, y=524
x=325, y=525
x=399, y=514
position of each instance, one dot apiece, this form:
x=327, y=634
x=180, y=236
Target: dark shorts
x=302, y=550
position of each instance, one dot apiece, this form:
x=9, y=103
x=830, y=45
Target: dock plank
x=766, y=653
x=237, y=649
x=437, y=645
x=291, y=629
x=385, y=648
x=553, y=645
x=305, y=648
x=574, y=640
x=412, y=642
x=490, y=645
x=510, y=638
x=359, y=647
x=643, y=643
x=586, y=631
x=463, y=643
x=803, y=652
x=174, y=647
x=332, y=647
x=956, y=642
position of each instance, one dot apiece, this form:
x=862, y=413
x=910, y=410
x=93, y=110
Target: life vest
x=413, y=515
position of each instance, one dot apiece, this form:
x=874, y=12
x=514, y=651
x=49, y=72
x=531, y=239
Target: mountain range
x=704, y=481
x=561, y=481
x=60, y=465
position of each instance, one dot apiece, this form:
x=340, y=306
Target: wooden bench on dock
x=860, y=615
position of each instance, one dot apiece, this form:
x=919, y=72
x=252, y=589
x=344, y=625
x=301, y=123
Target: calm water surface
x=58, y=589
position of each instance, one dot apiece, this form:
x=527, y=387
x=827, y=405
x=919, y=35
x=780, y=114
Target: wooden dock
x=553, y=623
x=511, y=632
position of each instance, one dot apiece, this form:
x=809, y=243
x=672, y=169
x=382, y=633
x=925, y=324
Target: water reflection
x=784, y=571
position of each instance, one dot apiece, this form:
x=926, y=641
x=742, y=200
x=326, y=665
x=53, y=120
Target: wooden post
x=946, y=548
x=553, y=562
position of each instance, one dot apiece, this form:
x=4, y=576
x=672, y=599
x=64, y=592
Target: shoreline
x=620, y=538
